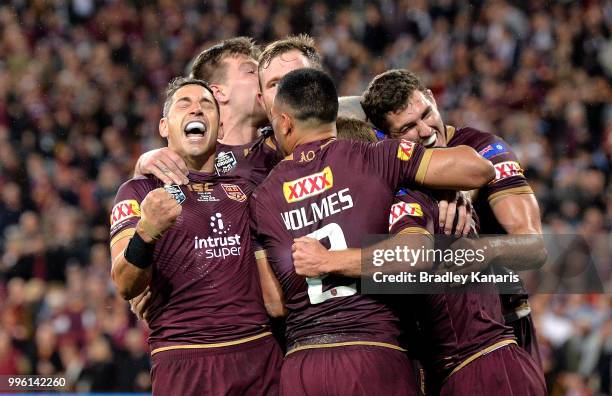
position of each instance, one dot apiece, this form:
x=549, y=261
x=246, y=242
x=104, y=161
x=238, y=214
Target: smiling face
x=192, y=122
x=270, y=75
x=419, y=121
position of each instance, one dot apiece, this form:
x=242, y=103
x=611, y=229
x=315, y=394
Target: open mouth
x=431, y=141
x=195, y=129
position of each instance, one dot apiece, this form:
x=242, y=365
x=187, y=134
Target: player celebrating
x=209, y=330
x=397, y=102
x=340, y=342
x=461, y=337
x=230, y=68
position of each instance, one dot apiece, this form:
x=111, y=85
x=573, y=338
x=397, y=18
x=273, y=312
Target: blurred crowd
x=80, y=99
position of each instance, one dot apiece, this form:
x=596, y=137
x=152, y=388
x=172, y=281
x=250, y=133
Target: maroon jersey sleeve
x=413, y=212
x=399, y=161
x=509, y=177
x=126, y=210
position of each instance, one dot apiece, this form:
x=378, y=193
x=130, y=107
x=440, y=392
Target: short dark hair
x=353, y=129
x=389, y=92
x=178, y=83
x=302, y=42
x=310, y=93
x=209, y=66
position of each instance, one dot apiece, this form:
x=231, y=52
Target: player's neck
x=312, y=135
x=203, y=163
x=238, y=130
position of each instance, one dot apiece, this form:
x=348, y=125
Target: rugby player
x=230, y=68
x=339, y=342
x=398, y=103
x=465, y=347
x=192, y=246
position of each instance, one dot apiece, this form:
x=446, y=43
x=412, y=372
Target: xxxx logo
x=308, y=186
x=507, y=169
x=124, y=210
x=402, y=209
x=405, y=149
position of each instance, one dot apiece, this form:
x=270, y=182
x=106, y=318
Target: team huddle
x=258, y=206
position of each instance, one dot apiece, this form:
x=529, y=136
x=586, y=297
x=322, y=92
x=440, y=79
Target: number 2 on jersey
x=316, y=294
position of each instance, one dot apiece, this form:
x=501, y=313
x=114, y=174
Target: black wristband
x=139, y=253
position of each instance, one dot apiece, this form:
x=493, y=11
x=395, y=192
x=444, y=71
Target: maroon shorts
x=252, y=368
x=525, y=334
x=348, y=370
x=507, y=371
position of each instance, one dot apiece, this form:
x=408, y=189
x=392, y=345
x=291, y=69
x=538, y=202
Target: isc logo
x=308, y=186
x=402, y=209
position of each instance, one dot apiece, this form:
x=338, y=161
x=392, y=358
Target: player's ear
x=261, y=102
x=220, y=132
x=220, y=92
x=163, y=127
x=288, y=123
x=430, y=95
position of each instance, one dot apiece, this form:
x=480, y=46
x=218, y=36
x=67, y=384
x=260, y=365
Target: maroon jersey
x=509, y=180
x=205, y=283
x=456, y=325
x=336, y=191
x=252, y=161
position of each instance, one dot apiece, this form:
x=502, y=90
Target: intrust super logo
x=402, y=209
x=124, y=210
x=507, y=169
x=221, y=244
x=405, y=149
x=308, y=186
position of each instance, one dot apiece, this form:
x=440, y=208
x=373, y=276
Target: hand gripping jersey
x=455, y=326
x=205, y=283
x=336, y=191
x=509, y=180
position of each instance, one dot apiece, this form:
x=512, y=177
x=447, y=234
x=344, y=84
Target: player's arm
x=524, y=247
x=130, y=279
x=312, y=259
x=515, y=207
x=132, y=257
x=455, y=168
x=270, y=287
x=164, y=164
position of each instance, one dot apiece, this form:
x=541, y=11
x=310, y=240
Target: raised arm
x=132, y=257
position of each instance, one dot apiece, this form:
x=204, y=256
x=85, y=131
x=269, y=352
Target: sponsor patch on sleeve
x=506, y=169
x=493, y=150
x=124, y=210
x=309, y=186
x=402, y=209
x=405, y=149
